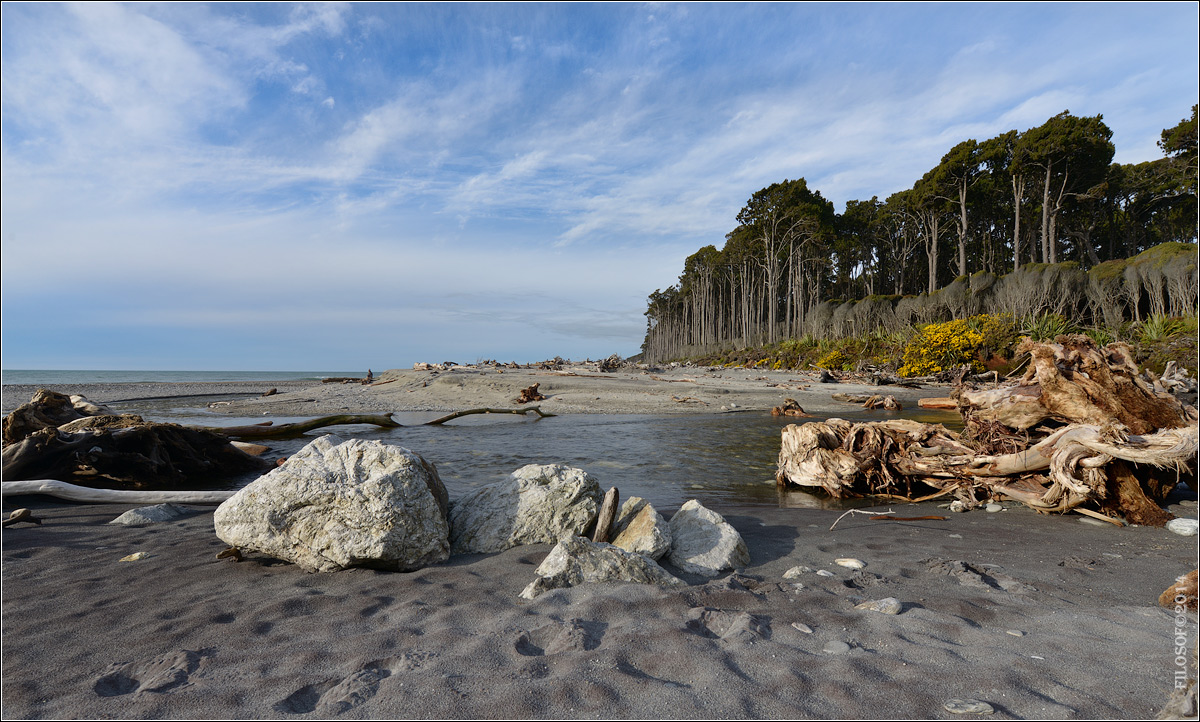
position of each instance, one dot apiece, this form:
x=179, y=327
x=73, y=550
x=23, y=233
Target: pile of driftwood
x=1082, y=430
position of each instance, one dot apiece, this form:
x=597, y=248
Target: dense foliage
x=1036, y=224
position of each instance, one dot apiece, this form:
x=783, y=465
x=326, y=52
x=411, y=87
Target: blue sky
x=243, y=186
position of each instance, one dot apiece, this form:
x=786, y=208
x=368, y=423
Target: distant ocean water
x=34, y=377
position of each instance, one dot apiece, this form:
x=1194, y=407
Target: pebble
x=850, y=563
x=824, y=573
x=887, y=605
x=795, y=572
x=1183, y=527
x=1015, y=632
x=135, y=557
x=993, y=508
x=967, y=706
x=1188, y=503
x=956, y=536
x=1094, y=522
x=957, y=506
x=152, y=515
x=802, y=627
x=836, y=647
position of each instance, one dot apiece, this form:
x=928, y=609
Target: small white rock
x=887, y=605
x=993, y=508
x=824, y=573
x=802, y=627
x=956, y=536
x=1184, y=527
x=850, y=563
x=967, y=706
x=836, y=647
x=957, y=506
x=1015, y=632
x=796, y=572
x=135, y=557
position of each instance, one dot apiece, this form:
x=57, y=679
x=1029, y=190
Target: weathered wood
x=258, y=431
x=608, y=512
x=72, y=492
x=529, y=395
x=945, y=403
x=459, y=414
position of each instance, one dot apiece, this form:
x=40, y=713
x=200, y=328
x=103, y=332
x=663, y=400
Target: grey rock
x=967, y=706
x=835, y=646
x=337, y=504
x=642, y=530
x=887, y=605
x=824, y=573
x=537, y=504
x=993, y=508
x=1014, y=632
x=575, y=560
x=702, y=542
x=1184, y=527
x=153, y=514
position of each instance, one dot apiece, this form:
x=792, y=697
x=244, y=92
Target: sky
x=332, y=187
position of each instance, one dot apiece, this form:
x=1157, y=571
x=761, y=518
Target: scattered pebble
x=135, y=557
x=824, y=573
x=887, y=605
x=1110, y=554
x=993, y=508
x=956, y=536
x=802, y=627
x=1184, y=527
x=968, y=706
x=796, y=571
x=1034, y=656
x=957, y=505
x=836, y=647
x=850, y=563
x=1188, y=503
x=1015, y=632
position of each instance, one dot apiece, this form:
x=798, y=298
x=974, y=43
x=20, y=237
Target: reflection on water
x=727, y=458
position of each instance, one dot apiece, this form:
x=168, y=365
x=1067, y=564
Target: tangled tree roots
x=1122, y=449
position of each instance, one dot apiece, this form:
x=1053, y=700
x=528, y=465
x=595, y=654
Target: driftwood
x=459, y=414
x=790, y=408
x=270, y=431
x=608, y=511
x=888, y=403
x=529, y=395
x=944, y=403
x=73, y=492
x=1082, y=430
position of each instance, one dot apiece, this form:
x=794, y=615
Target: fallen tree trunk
x=459, y=414
x=267, y=431
x=73, y=492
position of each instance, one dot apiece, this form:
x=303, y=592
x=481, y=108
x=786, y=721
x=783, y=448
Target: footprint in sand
x=573, y=635
x=159, y=675
x=728, y=625
x=337, y=696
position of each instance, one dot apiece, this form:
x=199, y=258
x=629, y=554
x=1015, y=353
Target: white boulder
x=702, y=542
x=575, y=560
x=538, y=503
x=336, y=504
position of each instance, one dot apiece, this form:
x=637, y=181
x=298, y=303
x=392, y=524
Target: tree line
x=1044, y=207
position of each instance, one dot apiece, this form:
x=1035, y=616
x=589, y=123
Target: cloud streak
x=213, y=168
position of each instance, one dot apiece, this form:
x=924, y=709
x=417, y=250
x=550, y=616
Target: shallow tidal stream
x=725, y=459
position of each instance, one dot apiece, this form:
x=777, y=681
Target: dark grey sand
x=1051, y=616
x=183, y=635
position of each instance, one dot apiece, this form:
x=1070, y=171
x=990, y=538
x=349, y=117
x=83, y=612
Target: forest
x=1032, y=224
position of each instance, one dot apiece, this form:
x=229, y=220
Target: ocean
x=44, y=377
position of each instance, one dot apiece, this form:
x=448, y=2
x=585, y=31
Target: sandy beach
x=1038, y=616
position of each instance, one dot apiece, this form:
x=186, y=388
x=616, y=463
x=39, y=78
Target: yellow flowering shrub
x=835, y=359
x=940, y=346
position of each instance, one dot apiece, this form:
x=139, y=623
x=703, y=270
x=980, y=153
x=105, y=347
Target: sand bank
x=1053, y=618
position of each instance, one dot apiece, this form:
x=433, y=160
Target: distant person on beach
x=369, y=376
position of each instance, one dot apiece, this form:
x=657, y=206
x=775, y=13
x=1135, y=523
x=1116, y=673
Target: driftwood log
x=1082, y=430
x=73, y=492
x=270, y=431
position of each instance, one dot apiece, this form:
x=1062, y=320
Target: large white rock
x=640, y=529
x=575, y=560
x=538, y=503
x=336, y=504
x=702, y=542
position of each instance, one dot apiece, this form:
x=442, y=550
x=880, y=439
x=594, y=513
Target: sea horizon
x=33, y=377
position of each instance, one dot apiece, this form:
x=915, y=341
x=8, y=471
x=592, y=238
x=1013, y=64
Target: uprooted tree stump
x=1082, y=430
x=529, y=395
x=790, y=407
